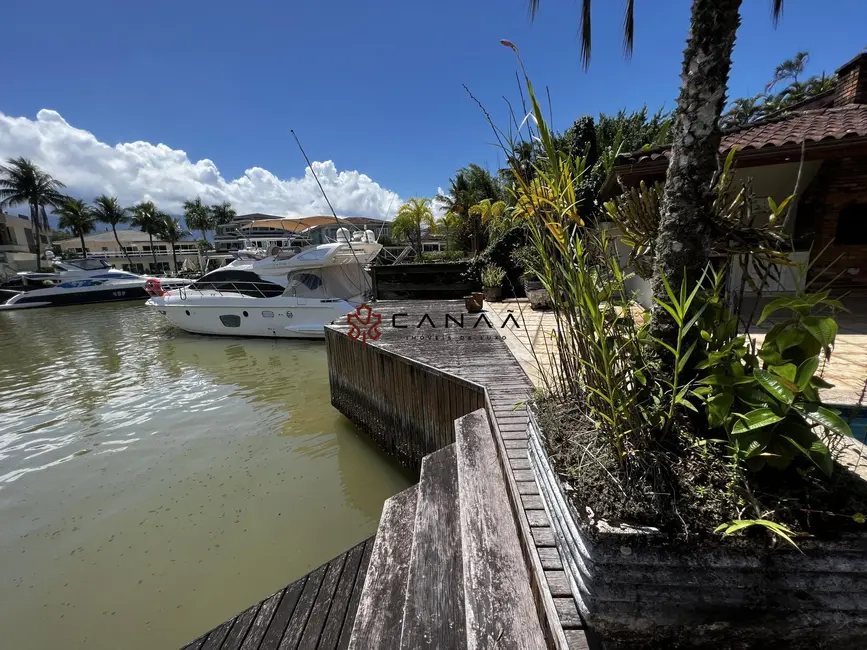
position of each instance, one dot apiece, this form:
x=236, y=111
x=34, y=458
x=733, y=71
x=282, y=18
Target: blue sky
x=372, y=86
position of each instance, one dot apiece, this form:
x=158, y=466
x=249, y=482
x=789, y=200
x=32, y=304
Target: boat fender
x=154, y=288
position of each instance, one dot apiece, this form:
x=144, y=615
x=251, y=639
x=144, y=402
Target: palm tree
x=471, y=185
x=450, y=224
x=78, y=217
x=23, y=182
x=172, y=232
x=743, y=111
x=409, y=220
x=493, y=214
x=683, y=240
x=789, y=69
x=107, y=210
x=146, y=218
x=198, y=217
x=222, y=213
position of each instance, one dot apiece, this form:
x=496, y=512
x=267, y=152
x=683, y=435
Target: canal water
x=154, y=483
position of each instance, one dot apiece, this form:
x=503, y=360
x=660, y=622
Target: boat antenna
x=330, y=207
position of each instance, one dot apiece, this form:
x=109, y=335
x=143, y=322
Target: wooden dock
x=316, y=611
x=458, y=557
x=407, y=387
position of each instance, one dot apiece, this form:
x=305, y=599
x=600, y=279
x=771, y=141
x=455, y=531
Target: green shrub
x=492, y=276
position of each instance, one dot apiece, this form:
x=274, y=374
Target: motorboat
x=290, y=294
x=77, y=282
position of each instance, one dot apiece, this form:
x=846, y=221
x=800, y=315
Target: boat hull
x=87, y=296
x=280, y=317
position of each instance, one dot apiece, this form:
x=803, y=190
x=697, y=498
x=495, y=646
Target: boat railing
x=253, y=289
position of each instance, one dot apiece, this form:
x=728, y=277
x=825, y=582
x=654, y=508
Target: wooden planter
x=636, y=587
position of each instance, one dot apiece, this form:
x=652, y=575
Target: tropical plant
x=682, y=246
x=495, y=217
x=78, y=217
x=789, y=70
x=222, y=213
x=449, y=225
x=411, y=218
x=22, y=182
x=471, y=185
x=198, y=216
x=107, y=210
x=743, y=111
x=492, y=276
x=146, y=218
x=170, y=230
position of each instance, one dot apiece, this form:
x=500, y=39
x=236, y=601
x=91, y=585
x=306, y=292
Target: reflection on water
x=154, y=483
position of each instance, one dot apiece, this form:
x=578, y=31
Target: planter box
x=635, y=587
x=422, y=281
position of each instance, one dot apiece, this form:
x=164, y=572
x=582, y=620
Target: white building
x=138, y=250
x=17, y=242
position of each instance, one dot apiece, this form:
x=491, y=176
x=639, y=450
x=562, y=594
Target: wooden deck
x=314, y=612
x=441, y=360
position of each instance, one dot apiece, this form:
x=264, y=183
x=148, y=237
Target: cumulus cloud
x=135, y=171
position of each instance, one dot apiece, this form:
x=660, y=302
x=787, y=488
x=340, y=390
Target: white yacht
x=77, y=282
x=291, y=294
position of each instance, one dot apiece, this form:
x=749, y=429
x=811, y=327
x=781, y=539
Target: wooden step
x=500, y=609
x=380, y=610
x=433, y=615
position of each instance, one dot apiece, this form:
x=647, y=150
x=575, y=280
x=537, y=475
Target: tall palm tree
x=683, y=241
x=22, y=182
x=449, y=224
x=222, y=213
x=789, y=70
x=471, y=185
x=146, y=218
x=77, y=217
x=410, y=218
x=107, y=210
x=493, y=215
x=743, y=111
x=198, y=217
x=172, y=232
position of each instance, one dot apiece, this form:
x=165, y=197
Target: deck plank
x=355, y=599
x=380, y=610
x=342, y=598
x=218, y=635
x=322, y=605
x=239, y=630
x=434, y=607
x=298, y=623
x=499, y=603
x=281, y=617
x=260, y=624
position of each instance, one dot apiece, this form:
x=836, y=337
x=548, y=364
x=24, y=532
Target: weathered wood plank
x=380, y=610
x=298, y=623
x=523, y=475
x=239, y=630
x=197, y=644
x=521, y=462
x=528, y=487
x=357, y=589
x=515, y=435
x=558, y=583
x=434, y=608
x=516, y=444
x=519, y=453
x=537, y=518
x=576, y=639
x=218, y=635
x=322, y=605
x=499, y=603
x=550, y=558
x=532, y=502
x=341, y=600
x=568, y=612
x=543, y=536
x=261, y=622
x=283, y=615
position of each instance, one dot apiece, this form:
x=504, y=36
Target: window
x=852, y=225
x=245, y=282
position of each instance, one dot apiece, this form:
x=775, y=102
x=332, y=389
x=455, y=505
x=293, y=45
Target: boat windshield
x=90, y=264
x=236, y=281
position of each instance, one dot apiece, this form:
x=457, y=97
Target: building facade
x=139, y=252
x=18, y=242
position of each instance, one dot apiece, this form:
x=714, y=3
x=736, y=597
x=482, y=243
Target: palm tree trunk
x=34, y=219
x=153, y=252
x=174, y=259
x=683, y=242
x=419, y=254
x=121, y=246
x=83, y=247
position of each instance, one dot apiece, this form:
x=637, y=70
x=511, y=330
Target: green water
x=154, y=483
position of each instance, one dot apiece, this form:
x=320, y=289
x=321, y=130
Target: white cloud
x=134, y=171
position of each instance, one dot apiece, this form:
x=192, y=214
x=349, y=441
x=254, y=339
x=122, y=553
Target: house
x=829, y=132
x=17, y=242
x=139, y=257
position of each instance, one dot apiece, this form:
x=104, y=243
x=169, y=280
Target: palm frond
x=776, y=10
x=629, y=28
x=585, y=33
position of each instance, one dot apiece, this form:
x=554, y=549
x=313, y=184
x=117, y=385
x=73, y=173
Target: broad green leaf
x=774, y=386
x=774, y=306
x=787, y=371
x=819, y=382
x=788, y=337
x=752, y=395
x=805, y=372
x=825, y=417
x=823, y=329
x=718, y=408
x=756, y=419
x=771, y=356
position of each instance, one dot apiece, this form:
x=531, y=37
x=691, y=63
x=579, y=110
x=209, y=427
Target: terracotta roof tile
x=791, y=128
